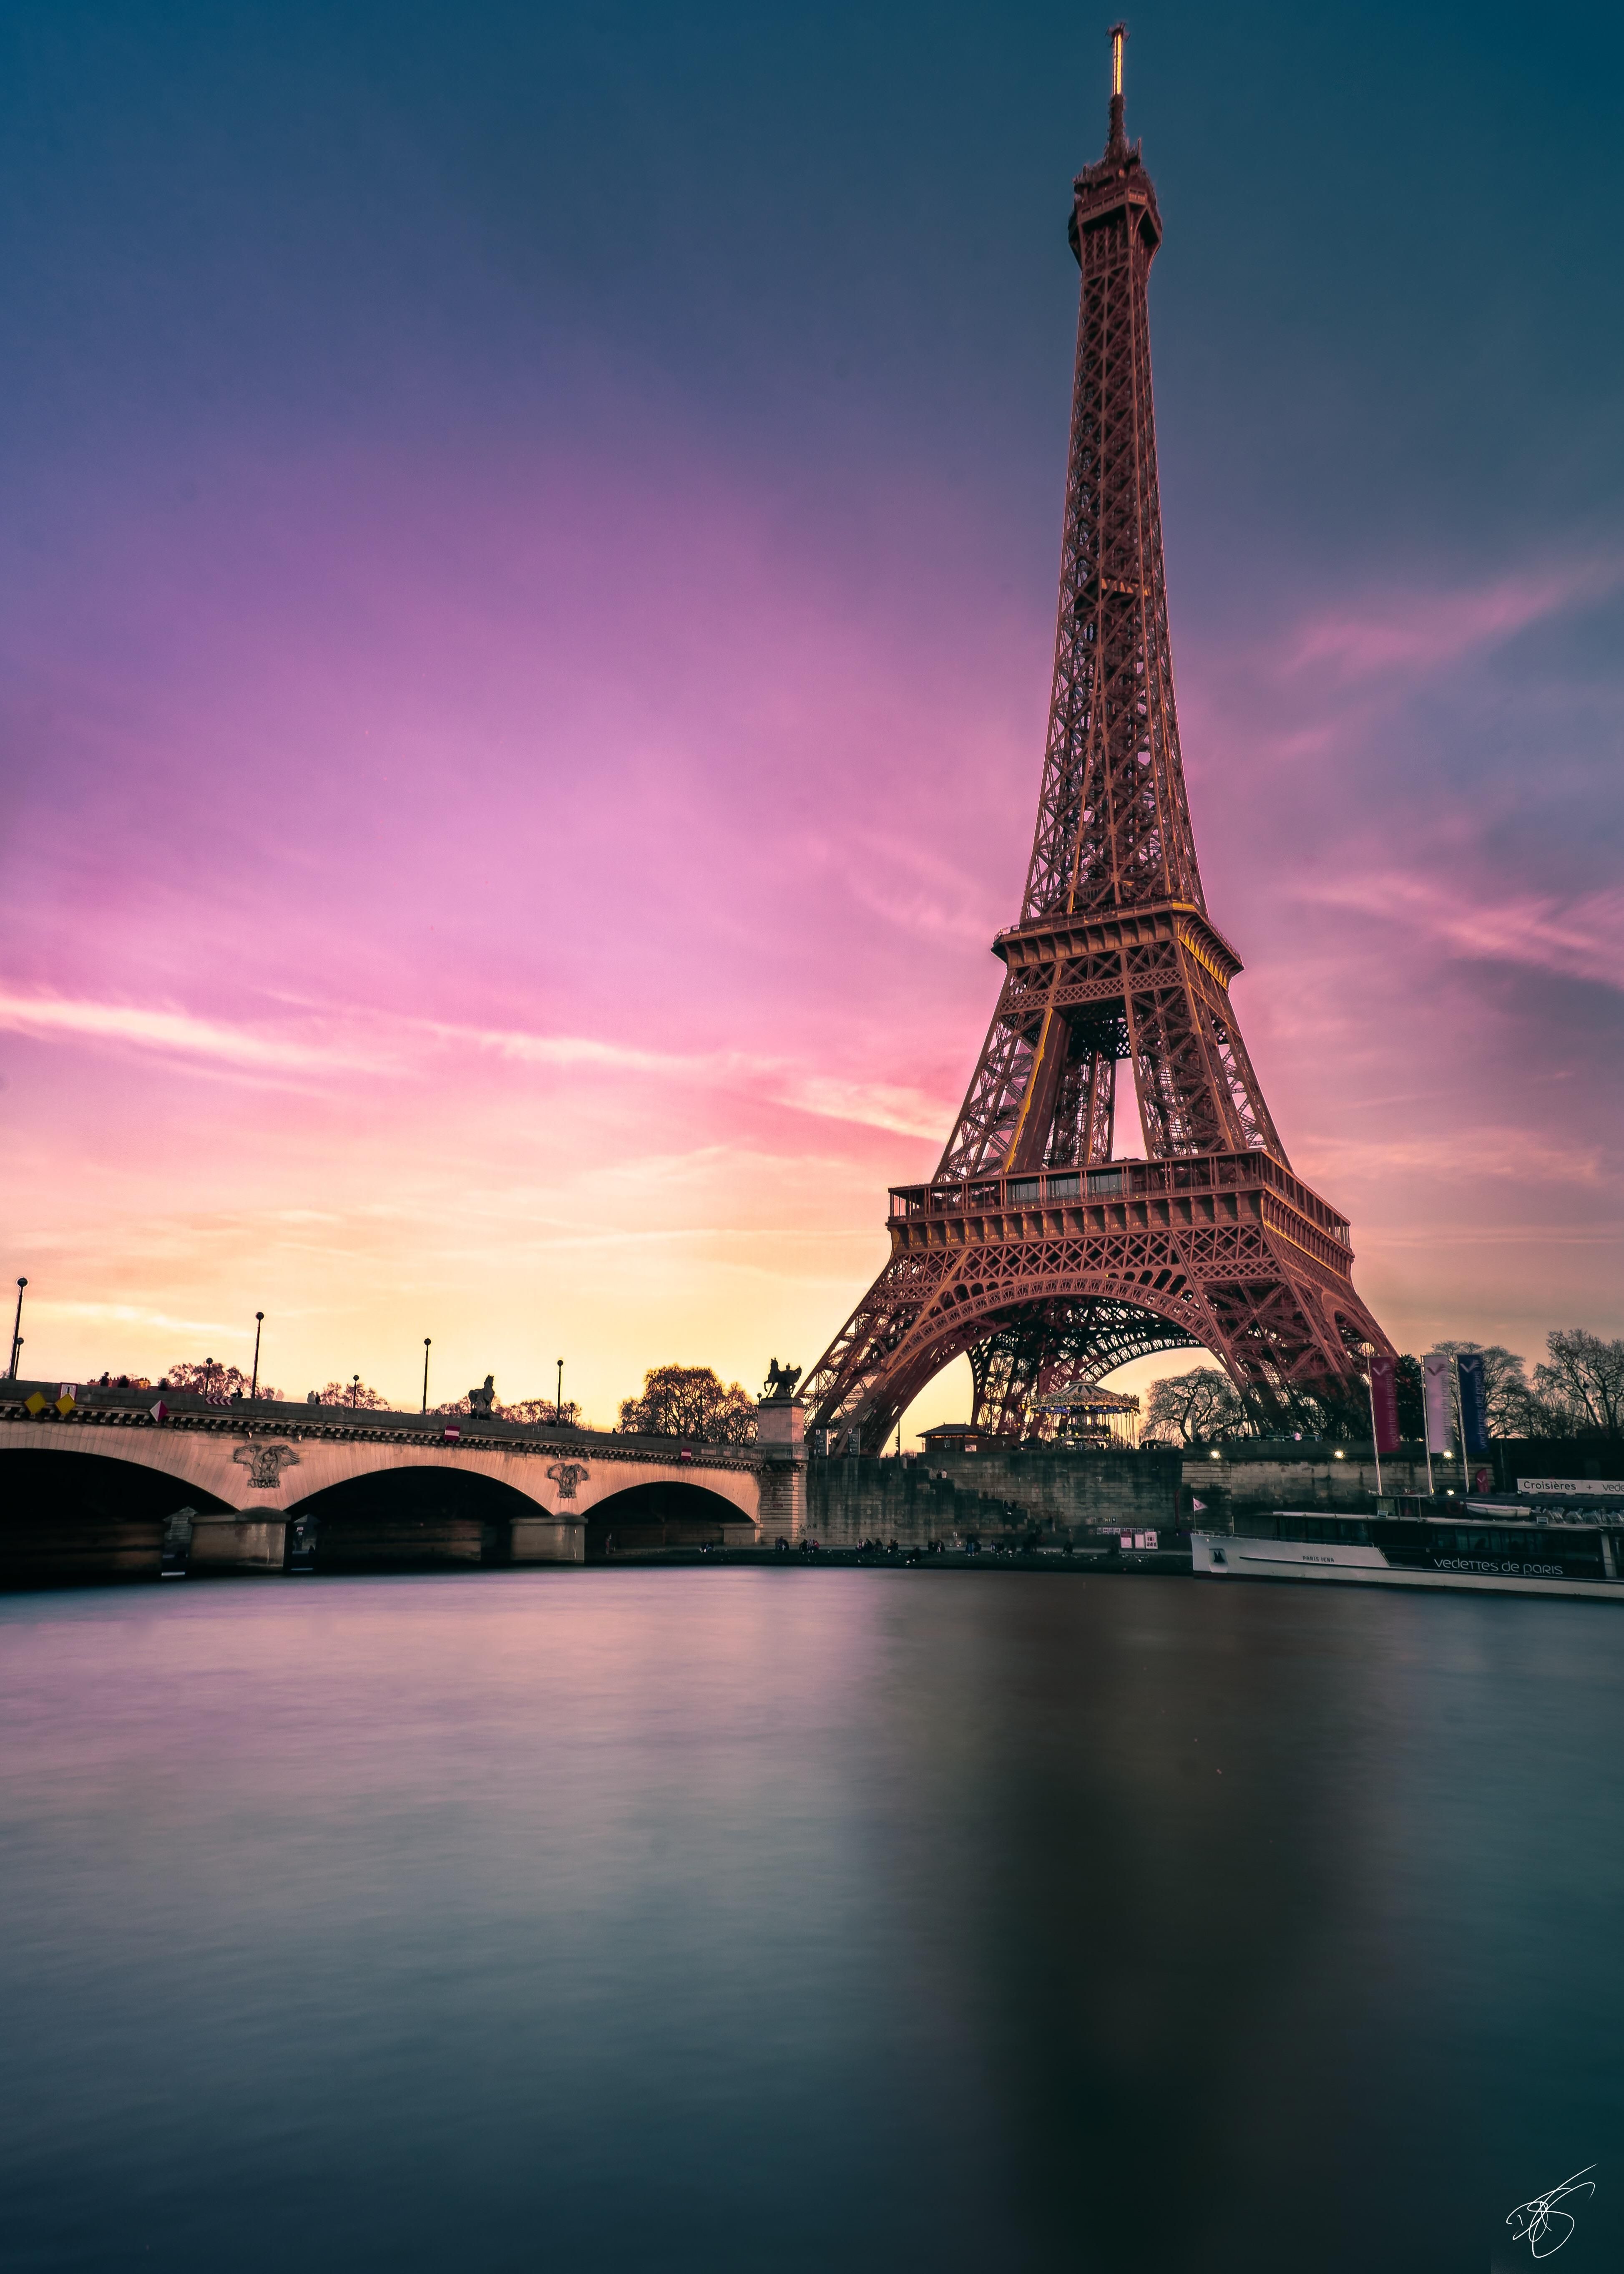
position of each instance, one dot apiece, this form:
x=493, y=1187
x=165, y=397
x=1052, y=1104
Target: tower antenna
x=1118, y=139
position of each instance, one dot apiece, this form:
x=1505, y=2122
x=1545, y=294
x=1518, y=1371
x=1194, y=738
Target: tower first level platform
x=1204, y=1203
x=1051, y=1282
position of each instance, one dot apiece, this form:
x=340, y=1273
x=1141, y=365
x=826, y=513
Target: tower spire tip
x=1118, y=137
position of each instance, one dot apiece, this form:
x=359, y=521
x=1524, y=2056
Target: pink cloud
x=173, y=1033
x=1583, y=939
x=1505, y=1150
x=1409, y=632
x=372, y=1044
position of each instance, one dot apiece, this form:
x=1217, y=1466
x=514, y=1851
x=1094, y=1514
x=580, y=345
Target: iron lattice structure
x=1032, y=1249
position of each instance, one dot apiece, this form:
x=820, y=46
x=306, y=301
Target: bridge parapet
x=184, y=1409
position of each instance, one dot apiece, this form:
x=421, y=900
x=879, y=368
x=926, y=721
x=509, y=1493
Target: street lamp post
x=558, y=1402
x=254, y=1387
x=355, y=1385
x=427, y=1339
x=1368, y=1351
x=17, y=1327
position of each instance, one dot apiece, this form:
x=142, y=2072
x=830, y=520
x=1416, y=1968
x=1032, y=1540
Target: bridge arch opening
x=424, y=1518
x=85, y=1519
x=655, y=1520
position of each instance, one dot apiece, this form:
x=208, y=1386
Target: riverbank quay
x=1168, y=1562
x=1063, y=1492
x=145, y=1550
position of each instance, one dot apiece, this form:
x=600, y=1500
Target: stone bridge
x=98, y=1490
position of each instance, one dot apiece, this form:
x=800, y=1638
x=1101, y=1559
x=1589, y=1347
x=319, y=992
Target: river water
x=800, y=1920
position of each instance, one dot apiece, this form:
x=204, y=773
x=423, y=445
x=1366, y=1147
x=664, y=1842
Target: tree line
x=675, y=1401
x=1576, y=1390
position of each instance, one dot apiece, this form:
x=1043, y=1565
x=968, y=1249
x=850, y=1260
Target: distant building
x=951, y=1437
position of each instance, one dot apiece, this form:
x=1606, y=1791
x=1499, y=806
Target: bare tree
x=1190, y=1408
x=534, y=1412
x=1582, y=1380
x=209, y=1378
x=690, y=1401
x=357, y=1393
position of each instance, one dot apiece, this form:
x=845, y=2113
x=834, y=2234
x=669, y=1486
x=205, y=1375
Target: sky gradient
x=527, y=577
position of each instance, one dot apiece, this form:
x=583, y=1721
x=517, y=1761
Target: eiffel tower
x=1034, y=1248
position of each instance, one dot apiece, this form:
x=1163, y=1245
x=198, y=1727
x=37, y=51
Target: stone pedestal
x=780, y=1427
x=549, y=1539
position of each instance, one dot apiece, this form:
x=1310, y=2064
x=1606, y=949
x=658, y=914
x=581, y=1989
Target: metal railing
x=1119, y=1180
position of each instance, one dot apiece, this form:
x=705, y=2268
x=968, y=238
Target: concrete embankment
x=1101, y=1562
x=1255, y=1476
x=1050, y=1491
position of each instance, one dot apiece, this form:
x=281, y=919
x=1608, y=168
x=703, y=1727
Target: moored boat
x=1497, y=1552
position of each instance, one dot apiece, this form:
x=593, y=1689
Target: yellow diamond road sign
x=34, y=1404
x=65, y=1404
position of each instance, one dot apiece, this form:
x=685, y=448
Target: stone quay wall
x=946, y=1497
x=1254, y=1477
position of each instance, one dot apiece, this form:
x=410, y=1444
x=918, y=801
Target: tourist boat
x=1493, y=1550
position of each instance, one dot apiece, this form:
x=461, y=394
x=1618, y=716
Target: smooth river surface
x=841, y=1919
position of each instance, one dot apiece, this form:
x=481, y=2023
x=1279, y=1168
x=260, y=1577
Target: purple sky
x=528, y=578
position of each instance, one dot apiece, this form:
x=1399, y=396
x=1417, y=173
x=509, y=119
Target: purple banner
x=1474, y=1403
x=1438, y=1399
x=1384, y=1403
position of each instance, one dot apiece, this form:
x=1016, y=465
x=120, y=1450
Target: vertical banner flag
x=1474, y=1405
x=1384, y=1403
x=1435, y=1396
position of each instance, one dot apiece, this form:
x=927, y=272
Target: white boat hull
x=1225, y=1555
